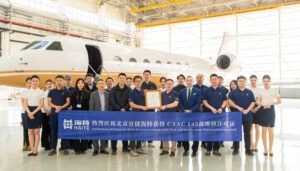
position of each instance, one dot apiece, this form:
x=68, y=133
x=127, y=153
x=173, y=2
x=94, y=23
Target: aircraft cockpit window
x=30, y=45
x=55, y=46
x=40, y=45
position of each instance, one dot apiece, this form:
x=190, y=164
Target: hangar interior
x=263, y=34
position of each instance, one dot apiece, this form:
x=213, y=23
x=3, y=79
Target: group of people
x=41, y=109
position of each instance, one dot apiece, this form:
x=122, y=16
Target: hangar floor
x=286, y=150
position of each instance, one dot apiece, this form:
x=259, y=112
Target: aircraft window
x=30, y=45
x=133, y=60
x=146, y=61
x=117, y=59
x=40, y=45
x=178, y=63
x=187, y=64
x=55, y=46
x=158, y=62
x=169, y=62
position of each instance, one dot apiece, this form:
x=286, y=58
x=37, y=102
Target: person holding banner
x=242, y=99
x=99, y=100
x=170, y=101
x=190, y=100
x=180, y=85
x=137, y=103
x=268, y=98
x=80, y=101
x=118, y=101
x=58, y=99
x=214, y=101
x=33, y=103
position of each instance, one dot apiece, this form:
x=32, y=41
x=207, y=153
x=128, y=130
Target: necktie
x=189, y=94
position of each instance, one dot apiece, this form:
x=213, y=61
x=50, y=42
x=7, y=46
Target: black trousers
x=46, y=132
x=186, y=146
x=247, y=136
x=80, y=145
x=25, y=131
x=213, y=145
x=114, y=145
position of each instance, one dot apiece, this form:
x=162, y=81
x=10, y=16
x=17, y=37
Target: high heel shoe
x=30, y=154
x=271, y=154
x=265, y=154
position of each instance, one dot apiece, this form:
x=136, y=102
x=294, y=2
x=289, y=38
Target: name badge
x=78, y=106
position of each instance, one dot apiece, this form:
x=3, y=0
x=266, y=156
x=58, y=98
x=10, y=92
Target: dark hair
x=181, y=75
x=241, y=77
x=253, y=76
x=170, y=80
x=162, y=78
x=122, y=74
x=28, y=79
x=128, y=78
x=147, y=71
x=220, y=77
x=189, y=77
x=213, y=75
x=77, y=81
x=266, y=77
x=35, y=76
x=49, y=80
x=137, y=77
x=233, y=81
x=99, y=80
x=60, y=76
x=90, y=75
x=109, y=78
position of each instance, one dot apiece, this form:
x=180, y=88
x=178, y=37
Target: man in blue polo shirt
x=190, y=99
x=58, y=100
x=215, y=101
x=137, y=103
x=242, y=100
x=170, y=102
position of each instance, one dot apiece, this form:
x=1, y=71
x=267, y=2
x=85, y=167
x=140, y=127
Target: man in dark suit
x=190, y=101
x=99, y=100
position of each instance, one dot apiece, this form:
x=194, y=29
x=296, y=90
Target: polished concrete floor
x=286, y=150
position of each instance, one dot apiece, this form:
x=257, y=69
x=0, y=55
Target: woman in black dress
x=33, y=102
x=80, y=101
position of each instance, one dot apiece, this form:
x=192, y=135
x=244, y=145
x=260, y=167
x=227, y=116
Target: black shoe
x=95, y=153
x=194, y=154
x=60, y=149
x=222, y=144
x=265, y=154
x=232, y=147
x=52, y=152
x=235, y=152
x=254, y=150
x=172, y=154
x=203, y=145
x=34, y=154
x=66, y=152
x=114, y=153
x=178, y=145
x=208, y=153
x=164, y=153
x=217, y=153
x=271, y=154
x=126, y=150
x=47, y=149
x=249, y=153
x=104, y=152
x=186, y=153
x=30, y=154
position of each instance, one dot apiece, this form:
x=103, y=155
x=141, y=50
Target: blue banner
x=144, y=126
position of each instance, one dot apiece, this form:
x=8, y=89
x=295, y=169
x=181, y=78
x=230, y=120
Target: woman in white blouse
x=268, y=98
x=34, y=99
